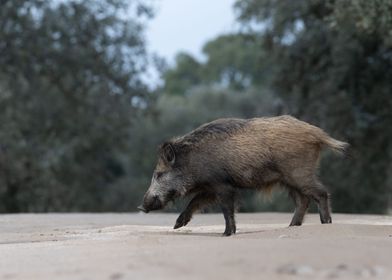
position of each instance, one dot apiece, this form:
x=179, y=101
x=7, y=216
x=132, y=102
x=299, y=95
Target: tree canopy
x=69, y=72
x=333, y=66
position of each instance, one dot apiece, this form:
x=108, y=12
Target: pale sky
x=185, y=25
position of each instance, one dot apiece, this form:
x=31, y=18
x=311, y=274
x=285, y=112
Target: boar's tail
x=337, y=146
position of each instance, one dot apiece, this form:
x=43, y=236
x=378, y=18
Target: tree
x=184, y=76
x=333, y=67
x=70, y=70
x=233, y=61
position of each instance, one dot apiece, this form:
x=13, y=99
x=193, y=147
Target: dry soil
x=144, y=246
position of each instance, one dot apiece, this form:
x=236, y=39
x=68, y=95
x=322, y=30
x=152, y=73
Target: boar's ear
x=168, y=153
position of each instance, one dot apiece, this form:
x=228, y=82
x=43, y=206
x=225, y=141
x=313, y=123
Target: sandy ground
x=144, y=246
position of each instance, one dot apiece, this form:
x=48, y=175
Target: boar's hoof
x=229, y=231
x=182, y=220
x=327, y=220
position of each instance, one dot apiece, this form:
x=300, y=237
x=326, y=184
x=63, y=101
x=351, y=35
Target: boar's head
x=169, y=179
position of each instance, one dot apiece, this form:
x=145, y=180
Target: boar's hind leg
x=301, y=205
x=199, y=201
x=227, y=203
x=321, y=196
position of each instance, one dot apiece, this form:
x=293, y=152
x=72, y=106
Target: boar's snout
x=151, y=202
x=141, y=208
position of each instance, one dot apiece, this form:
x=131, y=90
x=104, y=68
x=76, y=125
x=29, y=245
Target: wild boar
x=215, y=160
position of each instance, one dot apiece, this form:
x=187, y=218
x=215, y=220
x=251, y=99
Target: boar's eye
x=158, y=175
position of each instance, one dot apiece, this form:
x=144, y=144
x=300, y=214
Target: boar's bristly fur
x=219, y=158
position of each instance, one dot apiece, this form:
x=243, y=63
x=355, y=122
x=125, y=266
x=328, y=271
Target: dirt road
x=144, y=246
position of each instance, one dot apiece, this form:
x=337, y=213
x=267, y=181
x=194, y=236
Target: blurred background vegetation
x=79, y=126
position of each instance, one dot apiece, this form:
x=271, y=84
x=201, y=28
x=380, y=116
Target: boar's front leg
x=227, y=203
x=199, y=201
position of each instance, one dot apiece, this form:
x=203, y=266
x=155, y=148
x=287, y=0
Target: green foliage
x=333, y=67
x=79, y=129
x=185, y=75
x=69, y=72
x=234, y=61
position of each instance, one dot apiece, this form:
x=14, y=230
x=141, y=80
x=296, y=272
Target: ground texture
x=144, y=246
